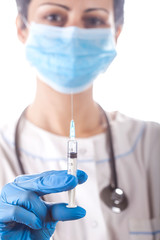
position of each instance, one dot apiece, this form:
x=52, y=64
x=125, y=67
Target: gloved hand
x=23, y=215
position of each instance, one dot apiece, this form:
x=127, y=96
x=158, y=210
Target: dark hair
x=118, y=10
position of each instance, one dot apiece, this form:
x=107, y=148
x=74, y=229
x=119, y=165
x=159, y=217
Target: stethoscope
x=113, y=196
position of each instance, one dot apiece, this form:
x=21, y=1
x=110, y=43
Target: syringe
x=72, y=162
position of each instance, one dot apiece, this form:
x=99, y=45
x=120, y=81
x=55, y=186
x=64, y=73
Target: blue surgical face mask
x=69, y=59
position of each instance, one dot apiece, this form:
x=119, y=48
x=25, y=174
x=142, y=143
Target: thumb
x=60, y=212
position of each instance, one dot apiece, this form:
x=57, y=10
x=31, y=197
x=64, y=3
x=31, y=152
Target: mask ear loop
x=25, y=22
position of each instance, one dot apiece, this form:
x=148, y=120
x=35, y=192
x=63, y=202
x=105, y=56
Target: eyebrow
x=56, y=4
x=96, y=9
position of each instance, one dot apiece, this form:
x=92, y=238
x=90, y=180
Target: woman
x=69, y=43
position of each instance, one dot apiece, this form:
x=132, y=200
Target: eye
x=93, y=22
x=55, y=19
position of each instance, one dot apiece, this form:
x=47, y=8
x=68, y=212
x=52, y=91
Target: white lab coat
x=137, y=150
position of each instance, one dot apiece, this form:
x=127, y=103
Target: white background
x=131, y=84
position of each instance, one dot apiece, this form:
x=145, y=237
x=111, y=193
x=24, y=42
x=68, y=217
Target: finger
x=60, y=212
x=10, y=213
x=47, y=182
x=29, y=200
x=22, y=178
x=82, y=176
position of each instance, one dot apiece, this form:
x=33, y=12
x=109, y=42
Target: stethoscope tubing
x=109, y=195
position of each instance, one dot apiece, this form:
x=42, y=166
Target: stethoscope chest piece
x=114, y=198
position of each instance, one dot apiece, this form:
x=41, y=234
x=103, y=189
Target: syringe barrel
x=72, y=168
x=72, y=148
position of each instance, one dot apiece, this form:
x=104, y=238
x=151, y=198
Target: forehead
x=81, y=4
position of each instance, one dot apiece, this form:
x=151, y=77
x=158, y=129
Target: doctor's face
x=79, y=13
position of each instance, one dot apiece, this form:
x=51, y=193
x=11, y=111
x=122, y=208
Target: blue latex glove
x=23, y=215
